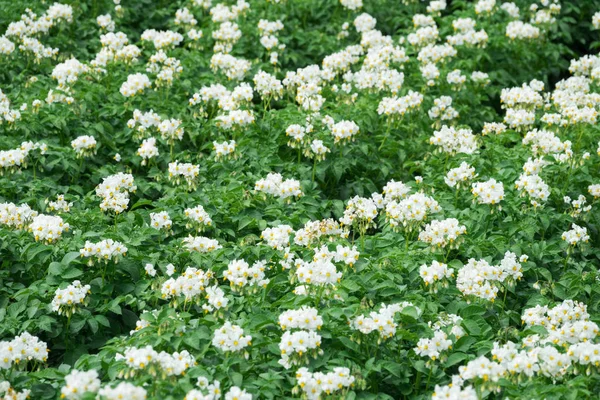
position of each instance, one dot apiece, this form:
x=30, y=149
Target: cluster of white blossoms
x=569, y=329
x=545, y=142
x=226, y=35
x=534, y=166
x=146, y=358
x=183, y=16
x=105, y=250
x=190, y=285
x=233, y=68
x=495, y=128
x=360, y=212
x=268, y=39
x=466, y=35
x=231, y=337
x=242, y=276
x=392, y=191
x=162, y=39
x=234, y=120
x=212, y=391
x=67, y=300
x=106, y=22
x=198, y=217
x=300, y=339
x=31, y=25
x=219, y=95
x=298, y=347
x=205, y=391
x=84, y=146
x=462, y=174
x=147, y=150
x=381, y=321
x=480, y=279
x=267, y=86
x=454, y=392
x=436, y=275
x=60, y=204
x=189, y=172
x=48, y=228
x=123, y=390
x=452, y=141
x=166, y=69
x=171, y=130
x=224, y=149
x=397, y=107
x=115, y=49
x=319, y=272
x=534, y=187
x=144, y=123
x=277, y=237
x=274, y=185
x=314, y=385
x=527, y=96
x=135, y=84
x=344, y=131
x=21, y=350
x=519, y=119
x=161, y=220
x=489, y=192
x=522, y=31
x=305, y=317
x=68, y=72
x=577, y=206
x=433, y=347
x=15, y=159
x=442, y=109
x=78, y=383
x=16, y=217
x=576, y=235
x=594, y=190
x=201, y=244
x=410, y=212
x=114, y=191
x=216, y=299
x=566, y=323
x=313, y=231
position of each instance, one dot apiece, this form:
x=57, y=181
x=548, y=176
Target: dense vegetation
x=299, y=199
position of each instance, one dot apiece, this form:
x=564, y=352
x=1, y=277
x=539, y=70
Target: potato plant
x=311, y=199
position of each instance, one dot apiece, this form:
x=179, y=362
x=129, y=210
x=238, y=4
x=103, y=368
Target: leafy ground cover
x=299, y=199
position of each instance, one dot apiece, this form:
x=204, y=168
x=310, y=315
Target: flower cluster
x=146, y=358
x=314, y=385
x=191, y=284
x=489, y=192
x=201, y=244
x=231, y=337
x=78, y=383
x=274, y=185
x=105, y=250
x=114, y=191
x=21, y=350
x=189, y=172
x=66, y=301
x=381, y=321
x=241, y=276
x=84, y=146
x=436, y=275
x=576, y=235
x=411, y=211
x=48, y=228
x=199, y=219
